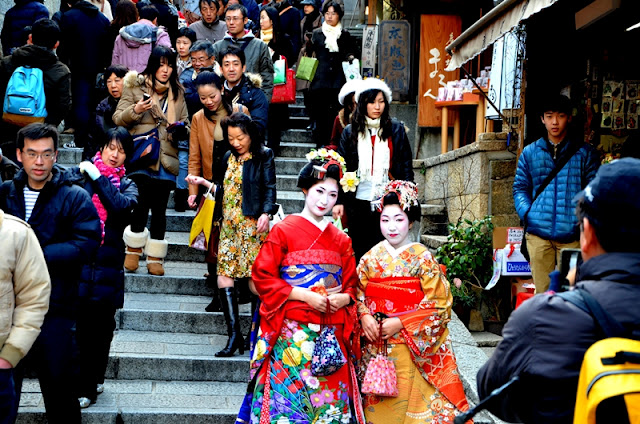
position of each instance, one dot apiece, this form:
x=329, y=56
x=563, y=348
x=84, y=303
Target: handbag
x=200, y=234
x=307, y=68
x=380, y=378
x=327, y=354
x=146, y=149
x=351, y=70
x=285, y=93
x=561, y=163
x=280, y=68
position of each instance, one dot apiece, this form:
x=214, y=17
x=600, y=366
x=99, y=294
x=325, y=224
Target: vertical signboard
x=436, y=31
x=369, y=47
x=395, y=57
x=504, y=83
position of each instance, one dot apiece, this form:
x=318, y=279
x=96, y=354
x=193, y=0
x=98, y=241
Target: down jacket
x=23, y=14
x=24, y=288
x=68, y=229
x=103, y=279
x=249, y=94
x=133, y=45
x=552, y=216
x=134, y=88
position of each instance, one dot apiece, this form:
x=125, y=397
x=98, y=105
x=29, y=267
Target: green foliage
x=468, y=255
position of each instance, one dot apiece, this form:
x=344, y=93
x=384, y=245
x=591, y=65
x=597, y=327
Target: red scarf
x=113, y=175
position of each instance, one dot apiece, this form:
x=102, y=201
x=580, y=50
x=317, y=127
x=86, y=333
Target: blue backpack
x=24, y=99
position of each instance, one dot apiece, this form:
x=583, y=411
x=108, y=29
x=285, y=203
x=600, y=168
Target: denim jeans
x=9, y=399
x=184, y=170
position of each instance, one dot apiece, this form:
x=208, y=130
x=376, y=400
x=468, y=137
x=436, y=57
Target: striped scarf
x=113, y=175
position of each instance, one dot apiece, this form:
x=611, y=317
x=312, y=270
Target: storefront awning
x=500, y=20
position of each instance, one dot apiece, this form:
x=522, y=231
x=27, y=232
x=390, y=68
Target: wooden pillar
x=444, y=131
x=373, y=5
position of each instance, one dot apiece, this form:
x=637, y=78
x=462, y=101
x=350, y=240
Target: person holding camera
x=546, y=338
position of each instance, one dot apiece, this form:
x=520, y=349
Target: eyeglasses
x=233, y=18
x=199, y=59
x=33, y=155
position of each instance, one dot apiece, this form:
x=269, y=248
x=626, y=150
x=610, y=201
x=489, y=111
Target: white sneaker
x=100, y=388
x=69, y=145
x=84, y=402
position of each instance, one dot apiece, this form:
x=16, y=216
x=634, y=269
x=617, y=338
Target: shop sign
x=395, y=57
x=369, y=47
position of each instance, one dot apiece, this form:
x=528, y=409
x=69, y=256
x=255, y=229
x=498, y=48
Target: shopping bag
x=280, y=71
x=351, y=70
x=279, y=216
x=200, y=234
x=327, y=355
x=307, y=68
x=285, y=93
x=380, y=378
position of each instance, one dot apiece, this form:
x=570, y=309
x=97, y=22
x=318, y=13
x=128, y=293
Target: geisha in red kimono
x=400, y=279
x=305, y=261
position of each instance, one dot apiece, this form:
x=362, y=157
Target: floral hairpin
x=348, y=180
x=406, y=191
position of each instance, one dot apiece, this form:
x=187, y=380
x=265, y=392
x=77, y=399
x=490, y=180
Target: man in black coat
x=546, y=338
x=68, y=228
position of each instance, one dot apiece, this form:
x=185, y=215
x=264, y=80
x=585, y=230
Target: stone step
x=435, y=220
x=174, y=314
x=297, y=135
x=433, y=242
x=299, y=100
x=297, y=110
x=148, y=402
x=290, y=166
x=183, y=278
x=178, y=221
x=299, y=122
x=291, y=149
x=486, y=338
x=291, y=201
x=69, y=157
x=179, y=249
x=286, y=183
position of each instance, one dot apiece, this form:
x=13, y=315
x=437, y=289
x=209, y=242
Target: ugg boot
x=229, y=303
x=180, y=196
x=135, y=243
x=156, y=252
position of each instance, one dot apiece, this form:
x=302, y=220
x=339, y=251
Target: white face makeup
x=395, y=225
x=321, y=197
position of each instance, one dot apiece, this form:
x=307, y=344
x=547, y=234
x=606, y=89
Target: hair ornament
x=406, y=191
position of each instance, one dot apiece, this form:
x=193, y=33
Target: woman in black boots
x=248, y=204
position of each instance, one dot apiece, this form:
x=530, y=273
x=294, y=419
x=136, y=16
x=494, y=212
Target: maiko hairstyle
x=37, y=131
x=189, y=33
x=414, y=213
x=45, y=33
x=239, y=7
x=149, y=13
x=309, y=175
x=118, y=70
x=211, y=78
x=359, y=118
x=556, y=103
x=126, y=14
x=233, y=51
x=336, y=8
x=120, y=135
x=155, y=61
x=247, y=126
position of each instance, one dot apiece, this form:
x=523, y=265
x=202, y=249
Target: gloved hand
x=90, y=169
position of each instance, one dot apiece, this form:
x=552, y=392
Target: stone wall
x=472, y=181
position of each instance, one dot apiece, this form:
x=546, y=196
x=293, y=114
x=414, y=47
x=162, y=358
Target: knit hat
x=348, y=88
x=373, y=84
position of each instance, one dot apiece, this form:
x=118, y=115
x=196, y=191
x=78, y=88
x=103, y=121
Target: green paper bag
x=307, y=68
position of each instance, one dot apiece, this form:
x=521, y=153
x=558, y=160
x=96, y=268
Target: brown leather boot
x=156, y=252
x=135, y=243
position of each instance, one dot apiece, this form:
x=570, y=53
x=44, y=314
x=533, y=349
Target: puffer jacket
x=23, y=14
x=134, y=88
x=133, y=45
x=103, y=279
x=21, y=257
x=552, y=216
x=68, y=229
x=249, y=94
x=256, y=52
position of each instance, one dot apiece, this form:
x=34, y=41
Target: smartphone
x=145, y=97
x=569, y=258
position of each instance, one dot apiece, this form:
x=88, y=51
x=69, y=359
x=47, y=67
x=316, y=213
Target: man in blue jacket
x=551, y=221
x=22, y=15
x=66, y=223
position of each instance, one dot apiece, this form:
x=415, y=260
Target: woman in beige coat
x=153, y=99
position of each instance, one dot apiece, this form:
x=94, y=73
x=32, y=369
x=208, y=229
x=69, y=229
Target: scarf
x=162, y=96
x=266, y=35
x=331, y=33
x=114, y=175
x=216, y=117
x=374, y=157
x=183, y=65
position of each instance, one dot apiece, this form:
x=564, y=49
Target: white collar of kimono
x=322, y=224
x=395, y=252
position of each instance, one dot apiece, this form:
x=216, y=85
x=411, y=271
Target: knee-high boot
x=214, y=306
x=229, y=303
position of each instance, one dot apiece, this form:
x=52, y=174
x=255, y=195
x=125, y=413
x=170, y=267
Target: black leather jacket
x=258, y=183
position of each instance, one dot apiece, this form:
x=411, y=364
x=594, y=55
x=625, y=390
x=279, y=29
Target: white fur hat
x=373, y=84
x=349, y=87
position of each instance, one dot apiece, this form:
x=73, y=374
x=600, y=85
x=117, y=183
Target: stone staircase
x=162, y=367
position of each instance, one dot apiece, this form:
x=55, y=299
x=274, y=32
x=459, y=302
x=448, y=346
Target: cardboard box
x=506, y=235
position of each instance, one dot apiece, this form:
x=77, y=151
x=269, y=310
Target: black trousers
x=53, y=358
x=96, y=323
x=278, y=122
x=8, y=397
x=153, y=195
x=324, y=112
x=364, y=226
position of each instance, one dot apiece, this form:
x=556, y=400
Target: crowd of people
x=178, y=98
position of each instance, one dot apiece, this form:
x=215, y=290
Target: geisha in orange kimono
x=401, y=281
x=305, y=261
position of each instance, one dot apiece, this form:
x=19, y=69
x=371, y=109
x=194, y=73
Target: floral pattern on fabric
x=239, y=240
x=297, y=396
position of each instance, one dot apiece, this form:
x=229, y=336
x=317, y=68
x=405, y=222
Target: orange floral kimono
x=408, y=283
